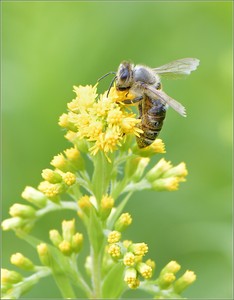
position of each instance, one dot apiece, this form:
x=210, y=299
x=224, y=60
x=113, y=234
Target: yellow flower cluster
x=131, y=254
x=102, y=120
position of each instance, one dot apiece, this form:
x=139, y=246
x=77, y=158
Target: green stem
x=52, y=207
x=101, y=176
x=96, y=274
x=118, y=211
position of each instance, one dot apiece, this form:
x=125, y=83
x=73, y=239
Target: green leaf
x=113, y=284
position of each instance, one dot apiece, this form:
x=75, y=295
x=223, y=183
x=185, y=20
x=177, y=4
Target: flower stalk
x=102, y=131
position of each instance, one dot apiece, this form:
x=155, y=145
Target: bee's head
x=124, y=76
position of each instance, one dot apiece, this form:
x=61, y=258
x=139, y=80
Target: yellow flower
x=114, y=250
x=144, y=270
x=129, y=259
x=69, y=178
x=114, y=237
x=100, y=120
x=139, y=248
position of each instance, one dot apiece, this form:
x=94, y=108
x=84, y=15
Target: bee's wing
x=151, y=91
x=178, y=68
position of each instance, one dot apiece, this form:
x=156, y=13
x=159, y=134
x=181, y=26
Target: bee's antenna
x=106, y=75
x=112, y=81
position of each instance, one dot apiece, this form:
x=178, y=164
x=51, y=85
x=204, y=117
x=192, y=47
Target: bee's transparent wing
x=177, y=68
x=152, y=92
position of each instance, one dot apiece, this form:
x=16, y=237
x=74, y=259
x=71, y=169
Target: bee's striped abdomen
x=152, y=113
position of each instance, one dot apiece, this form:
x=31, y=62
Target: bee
x=144, y=82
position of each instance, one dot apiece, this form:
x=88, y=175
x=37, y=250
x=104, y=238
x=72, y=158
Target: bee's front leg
x=133, y=101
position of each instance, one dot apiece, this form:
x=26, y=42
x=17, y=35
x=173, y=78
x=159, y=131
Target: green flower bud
x=12, y=223
x=21, y=210
x=68, y=229
x=10, y=277
x=51, y=176
x=157, y=171
x=44, y=254
x=107, y=203
x=55, y=237
x=184, y=281
x=77, y=242
x=144, y=270
x=75, y=158
x=34, y=196
x=123, y=222
x=165, y=280
x=22, y=262
x=65, y=248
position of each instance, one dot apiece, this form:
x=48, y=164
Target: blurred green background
x=47, y=47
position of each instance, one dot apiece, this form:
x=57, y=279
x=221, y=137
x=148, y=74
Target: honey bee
x=144, y=82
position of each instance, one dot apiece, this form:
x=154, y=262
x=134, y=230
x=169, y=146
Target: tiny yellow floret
x=114, y=250
x=69, y=178
x=129, y=259
x=139, y=248
x=114, y=237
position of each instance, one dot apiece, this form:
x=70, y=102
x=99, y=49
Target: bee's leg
x=140, y=110
x=135, y=100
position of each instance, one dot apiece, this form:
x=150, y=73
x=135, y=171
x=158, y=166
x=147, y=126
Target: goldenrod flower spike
x=94, y=178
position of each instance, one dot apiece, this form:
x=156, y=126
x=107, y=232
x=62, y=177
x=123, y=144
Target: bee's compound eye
x=124, y=74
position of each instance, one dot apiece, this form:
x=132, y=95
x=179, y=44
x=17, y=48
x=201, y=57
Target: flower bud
x=130, y=275
x=123, y=222
x=34, y=196
x=51, y=190
x=68, y=229
x=114, y=237
x=165, y=280
x=114, y=250
x=77, y=242
x=139, y=248
x=157, y=171
x=178, y=171
x=171, y=267
x=61, y=163
x=75, y=158
x=184, y=281
x=69, y=178
x=12, y=223
x=21, y=210
x=129, y=259
x=151, y=264
x=166, y=184
x=156, y=147
x=22, y=262
x=85, y=204
x=106, y=205
x=144, y=270
x=10, y=277
x=51, y=176
x=65, y=248
x=44, y=255
x=134, y=284
x=65, y=123
x=55, y=237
